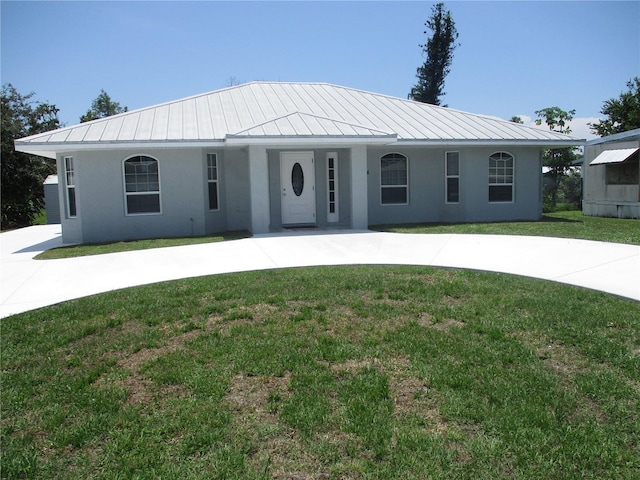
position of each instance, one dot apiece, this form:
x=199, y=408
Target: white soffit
x=614, y=156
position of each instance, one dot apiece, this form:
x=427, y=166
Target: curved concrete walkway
x=27, y=284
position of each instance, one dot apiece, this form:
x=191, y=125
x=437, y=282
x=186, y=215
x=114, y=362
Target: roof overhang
x=50, y=150
x=614, y=156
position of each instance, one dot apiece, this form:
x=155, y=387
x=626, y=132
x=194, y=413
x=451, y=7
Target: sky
x=514, y=57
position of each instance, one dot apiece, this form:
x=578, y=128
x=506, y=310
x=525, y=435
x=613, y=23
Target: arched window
x=394, y=179
x=141, y=185
x=501, y=168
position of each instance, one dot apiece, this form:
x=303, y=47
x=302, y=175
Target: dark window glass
x=297, y=179
x=394, y=195
x=500, y=193
x=213, y=196
x=143, y=203
x=72, y=201
x=453, y=192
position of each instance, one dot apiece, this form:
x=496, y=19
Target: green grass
x=330, y=372
x=101, y=248
x=41, y=218
x=568, y=224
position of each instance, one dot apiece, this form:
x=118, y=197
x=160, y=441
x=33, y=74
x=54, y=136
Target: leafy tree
x=22, y=174
x=558, y=160
x=439, y=55
x=102, y=107
x=623, y=112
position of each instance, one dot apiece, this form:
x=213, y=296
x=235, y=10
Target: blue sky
x=515, y=57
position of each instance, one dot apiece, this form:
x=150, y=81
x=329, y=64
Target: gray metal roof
x=628, y=136
x=268, y=112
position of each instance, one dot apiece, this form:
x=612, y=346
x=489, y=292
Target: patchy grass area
x=332, y=372
x=571, y=224
x=98, y=249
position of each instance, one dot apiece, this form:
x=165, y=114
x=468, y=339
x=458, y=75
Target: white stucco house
x=611, y=176
x=265, y=156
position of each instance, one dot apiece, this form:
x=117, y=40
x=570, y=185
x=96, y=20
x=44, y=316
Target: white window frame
x=213, y=181
x=146, y=192
x=332, y=187
x=448, y=176
x=501, y=176
x=70, y=186
x=398, y=185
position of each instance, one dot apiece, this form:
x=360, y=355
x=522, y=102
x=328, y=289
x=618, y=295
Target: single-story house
x=611, y=176
x=264, y=156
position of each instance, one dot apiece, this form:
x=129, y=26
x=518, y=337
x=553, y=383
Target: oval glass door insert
x=297, y=179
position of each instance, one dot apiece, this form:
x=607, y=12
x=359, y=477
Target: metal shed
x=52, y=199
x=612, y=176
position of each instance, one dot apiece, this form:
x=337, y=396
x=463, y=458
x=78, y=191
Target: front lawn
x=331, y=372
x=571, y=224
x=126, y=246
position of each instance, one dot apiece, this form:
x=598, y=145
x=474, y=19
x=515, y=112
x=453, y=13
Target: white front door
x=298, y=183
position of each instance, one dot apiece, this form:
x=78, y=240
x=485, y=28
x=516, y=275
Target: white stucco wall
x=427, y=187
x=101, y=202
x=249, y=191
x=235, y=200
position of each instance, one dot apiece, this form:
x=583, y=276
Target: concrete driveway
x=27, y=284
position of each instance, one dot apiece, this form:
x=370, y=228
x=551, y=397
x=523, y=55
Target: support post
x=359, y=195
x=259, y=189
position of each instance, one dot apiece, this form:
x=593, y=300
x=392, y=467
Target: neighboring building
x=264, y=156
x=52, y=199
x=611, y=176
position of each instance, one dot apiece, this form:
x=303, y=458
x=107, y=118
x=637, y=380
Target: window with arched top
x=141, y=185
x=394, y=179
x=501, y=169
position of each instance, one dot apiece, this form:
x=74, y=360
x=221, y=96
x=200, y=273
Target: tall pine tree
x=102, y=107
x=439, y=55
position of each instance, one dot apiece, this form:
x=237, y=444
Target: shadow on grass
x=68, y=251
x=544, y=219
x=548, y=219
x=434, y=225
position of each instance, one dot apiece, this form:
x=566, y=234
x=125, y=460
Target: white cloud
x=580, y=127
